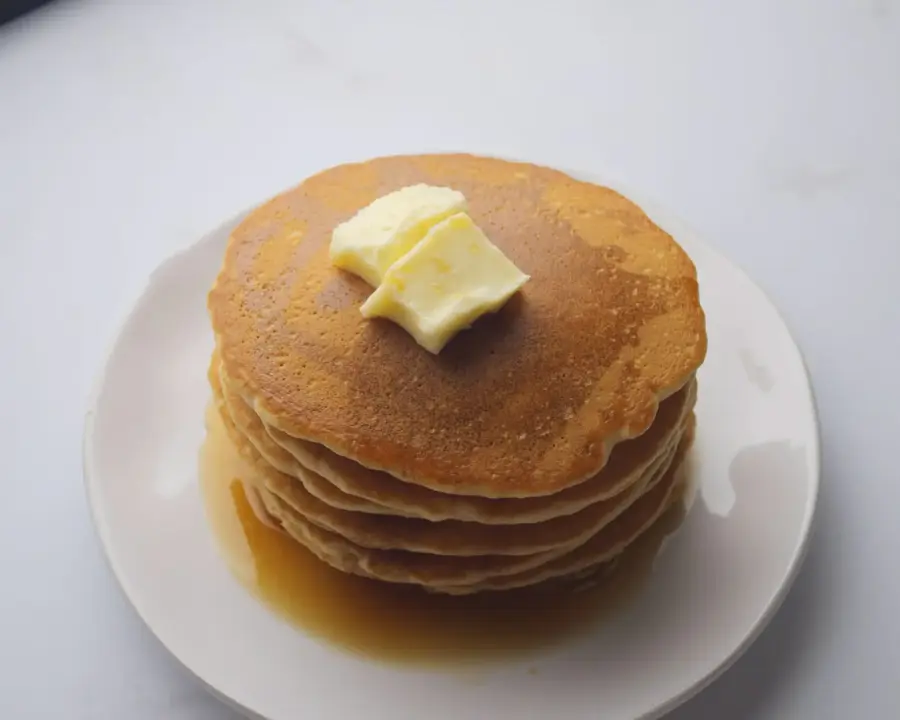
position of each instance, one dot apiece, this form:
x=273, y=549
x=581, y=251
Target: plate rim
x=675, y=226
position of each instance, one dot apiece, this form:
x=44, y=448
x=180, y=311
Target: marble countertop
x=129, y=129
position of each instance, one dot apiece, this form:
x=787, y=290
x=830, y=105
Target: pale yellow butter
x=378, y=235
x=444, y=283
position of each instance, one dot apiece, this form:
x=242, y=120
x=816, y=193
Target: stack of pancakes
x=537, y=445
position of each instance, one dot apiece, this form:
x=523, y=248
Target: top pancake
x=529, y=400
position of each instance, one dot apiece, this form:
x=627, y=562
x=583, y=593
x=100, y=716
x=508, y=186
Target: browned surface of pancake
x=459, y=575
x=250, y=426
x=346, y=485
x=450, y=537
x=527, y=402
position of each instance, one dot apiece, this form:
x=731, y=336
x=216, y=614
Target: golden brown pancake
x=464, y=575
x=450, y=537
x=606, y=544
x=527, y=402
x=397, y=566
x=346, y=485
x=455, y=537
x=248, y=425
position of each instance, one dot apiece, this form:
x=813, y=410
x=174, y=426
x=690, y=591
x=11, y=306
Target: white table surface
x=129, y=128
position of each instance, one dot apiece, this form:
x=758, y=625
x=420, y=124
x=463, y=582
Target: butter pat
x=444, y=283
x=378, y=235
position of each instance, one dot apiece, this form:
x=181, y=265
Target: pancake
x=454, y=537
x=443, y=538
x=347, y=485
x=606, y=545
x=397, y=566
x=529, y=401
x=252, y=429
x=455, y=575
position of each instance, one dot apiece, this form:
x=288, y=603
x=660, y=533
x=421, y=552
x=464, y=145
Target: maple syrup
x=402, y=623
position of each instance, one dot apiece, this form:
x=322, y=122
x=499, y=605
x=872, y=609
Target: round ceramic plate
x=713, y=588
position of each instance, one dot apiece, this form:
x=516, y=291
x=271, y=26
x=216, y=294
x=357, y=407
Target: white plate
x=714, y=587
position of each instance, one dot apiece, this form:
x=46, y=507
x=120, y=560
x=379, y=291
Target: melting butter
x=378, y=235
x=445, y=283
